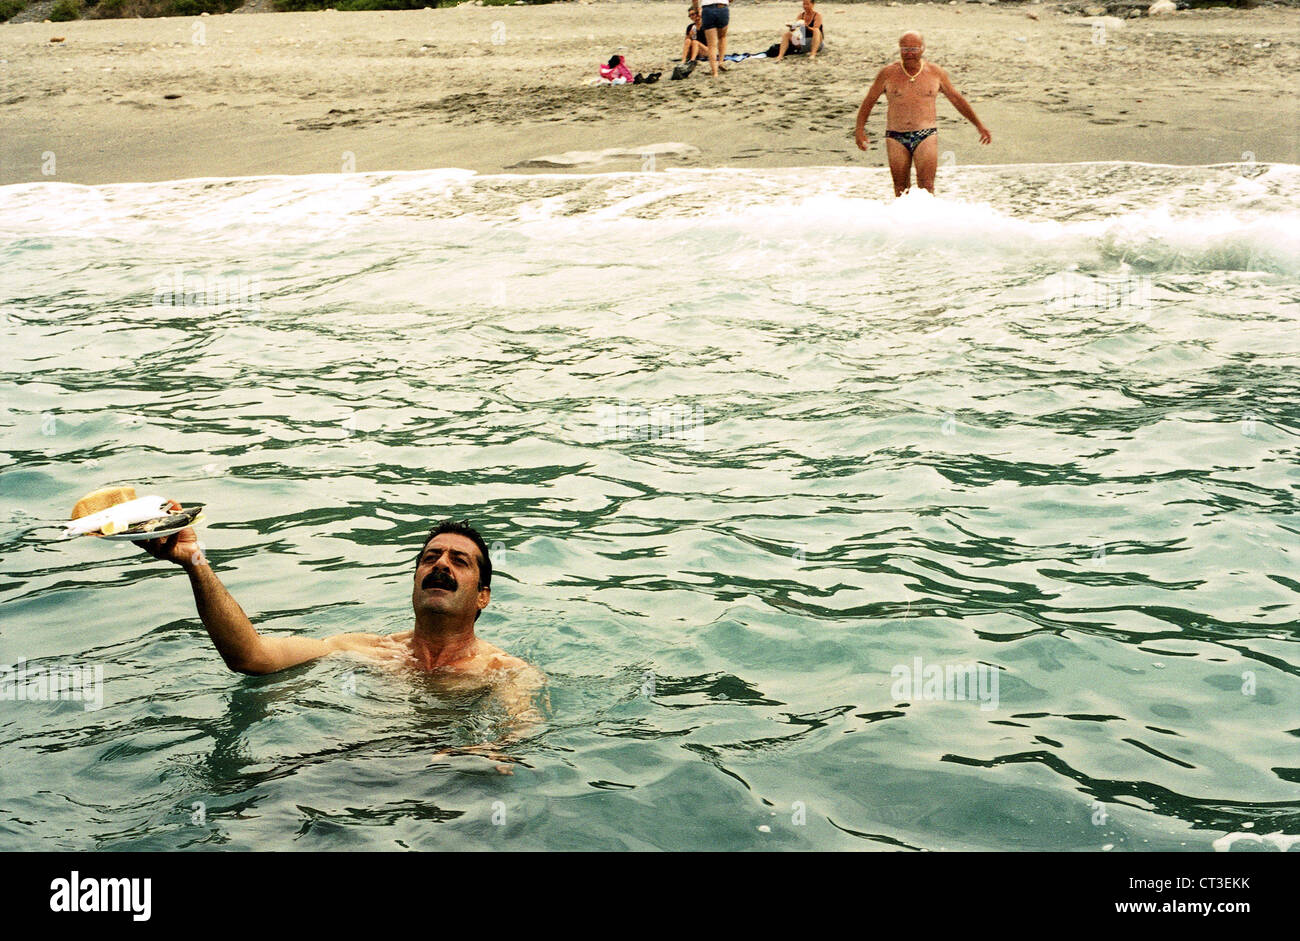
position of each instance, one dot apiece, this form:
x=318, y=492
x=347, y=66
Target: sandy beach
x=500, y=88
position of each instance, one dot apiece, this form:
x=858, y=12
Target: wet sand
x=501, y=88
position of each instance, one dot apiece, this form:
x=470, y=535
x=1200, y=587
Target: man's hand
x=181, y=548
x=985, y=136
x=480, y=751
x=861, y=137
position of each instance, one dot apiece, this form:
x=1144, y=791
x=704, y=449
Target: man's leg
x=926, y=159
x=722, y=46
x=712, y=36
x=900, y=165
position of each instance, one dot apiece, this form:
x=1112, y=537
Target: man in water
x=452, y=585
x=912, y=86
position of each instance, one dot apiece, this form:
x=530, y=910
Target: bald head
x=910, y=47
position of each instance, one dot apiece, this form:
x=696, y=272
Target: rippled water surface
x=741, y=467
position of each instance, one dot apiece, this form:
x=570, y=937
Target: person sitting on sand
x=693, y=50
x=452, y=586
x=912, y=86
x=806, y=33
x=616, y=71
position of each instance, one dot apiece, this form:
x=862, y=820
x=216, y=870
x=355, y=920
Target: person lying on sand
x=805, y=33
x=452, y=586
x=912, y=86
x=694, y=50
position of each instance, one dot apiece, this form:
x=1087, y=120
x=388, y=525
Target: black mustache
x=438, y=579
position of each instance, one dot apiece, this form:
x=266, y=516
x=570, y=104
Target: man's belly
x=916, y=118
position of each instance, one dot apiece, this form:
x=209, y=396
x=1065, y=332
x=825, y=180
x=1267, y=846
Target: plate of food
x=117, y=513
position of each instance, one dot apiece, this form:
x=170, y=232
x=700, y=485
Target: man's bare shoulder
x=490, y=657
x=353, y=641
x=376, y=645
x=936, y=77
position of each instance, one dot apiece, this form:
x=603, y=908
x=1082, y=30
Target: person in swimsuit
x=452, y=586
x=694, y=49
x=811, y=29
x=912, y=86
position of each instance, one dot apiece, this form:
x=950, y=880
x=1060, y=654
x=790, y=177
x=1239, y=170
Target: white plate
x=160, y=533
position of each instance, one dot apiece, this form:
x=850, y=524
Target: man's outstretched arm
x=233, y=634
x=241, y=647
x=963, y=106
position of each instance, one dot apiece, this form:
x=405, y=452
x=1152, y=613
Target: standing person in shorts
x=714, y=18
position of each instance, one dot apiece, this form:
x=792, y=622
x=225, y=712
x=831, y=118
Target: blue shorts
x=715, y=16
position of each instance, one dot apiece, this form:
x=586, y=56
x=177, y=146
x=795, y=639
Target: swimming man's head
x=453, y=572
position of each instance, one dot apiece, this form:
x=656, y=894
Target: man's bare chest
x=922, y=91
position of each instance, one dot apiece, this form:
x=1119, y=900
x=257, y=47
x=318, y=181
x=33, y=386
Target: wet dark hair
x=614, y=60
x=462, y=528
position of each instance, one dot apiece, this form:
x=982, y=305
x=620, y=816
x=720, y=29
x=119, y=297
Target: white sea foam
x=1278, y=841
x=1235, y=217
x=581, y=158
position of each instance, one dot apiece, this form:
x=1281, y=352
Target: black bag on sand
x=683, y=70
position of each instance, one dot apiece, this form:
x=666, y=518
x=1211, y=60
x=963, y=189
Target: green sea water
x=750, y=477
